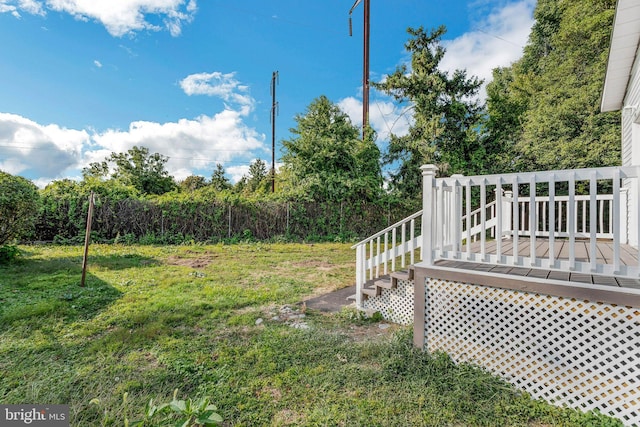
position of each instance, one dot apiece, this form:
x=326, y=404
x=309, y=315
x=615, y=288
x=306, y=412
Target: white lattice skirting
x=395, y=305
x=582, y=354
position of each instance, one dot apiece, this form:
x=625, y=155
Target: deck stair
x=374, y=287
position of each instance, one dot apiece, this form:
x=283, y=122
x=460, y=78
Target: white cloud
x=7, y=8
x=223, y=86
x=190, y=144
x=498, y=41
x=120, y=17
x=45, y=153
x=385, y=117
x=97, y=63
x=237, y=172
x=26, y=146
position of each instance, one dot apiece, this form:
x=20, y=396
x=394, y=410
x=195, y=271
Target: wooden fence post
x=87, y=239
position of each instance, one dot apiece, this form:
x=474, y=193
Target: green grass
x=155, y=318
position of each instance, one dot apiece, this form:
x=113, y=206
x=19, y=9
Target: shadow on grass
x=39, y=298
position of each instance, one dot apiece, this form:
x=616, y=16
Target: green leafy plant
x=8, y=253
x=182, y=413
x=194, y=413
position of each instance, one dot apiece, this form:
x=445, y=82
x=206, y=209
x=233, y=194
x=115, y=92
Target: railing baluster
x=516, y=218
x=593, y=220
x=499, y=220
x=404, y=243
x=571, y=208
x=552, y=219
x=544, y=217
x=580, y=203
x=386, y=253
x=483, y=220
x=561, y=218
x=468, y=202
x=378, y=257
x=610, y=224
x=371, y=259
x=412, y=231
x=615, y=212
x=533, y=225
x=439, y=216
x=600, y=216
x=394, y=249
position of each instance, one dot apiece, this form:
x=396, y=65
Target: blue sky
x=190, y=79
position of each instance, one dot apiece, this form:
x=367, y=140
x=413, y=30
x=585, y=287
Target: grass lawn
x=156, y=318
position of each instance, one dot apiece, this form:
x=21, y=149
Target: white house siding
x=631, y=144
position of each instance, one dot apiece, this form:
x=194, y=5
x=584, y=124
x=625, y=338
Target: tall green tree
x=545, y=107
x=326, y=159
x=445, y=111
x=192, y=183
x=137, y=167
x=219, y=180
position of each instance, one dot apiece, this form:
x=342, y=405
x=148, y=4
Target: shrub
x=8, y=253
x=19, y=202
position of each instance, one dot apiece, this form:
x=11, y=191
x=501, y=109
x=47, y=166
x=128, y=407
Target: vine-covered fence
x=177, y=221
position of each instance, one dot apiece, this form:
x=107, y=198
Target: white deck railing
x=558, y=213
x=452, y=223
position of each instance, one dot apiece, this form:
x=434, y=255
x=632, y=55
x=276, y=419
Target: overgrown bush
x=19, y=201
x=205, y=216
x=8, y=253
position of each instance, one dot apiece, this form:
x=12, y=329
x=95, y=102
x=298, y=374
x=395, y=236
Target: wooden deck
x=628, y=256
x=604, y=255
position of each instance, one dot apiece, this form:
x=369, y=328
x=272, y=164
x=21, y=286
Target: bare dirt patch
x=361, y=333
x=320, y=265
x=199, y=262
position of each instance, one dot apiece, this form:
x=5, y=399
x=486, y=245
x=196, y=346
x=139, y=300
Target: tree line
x=542, y=112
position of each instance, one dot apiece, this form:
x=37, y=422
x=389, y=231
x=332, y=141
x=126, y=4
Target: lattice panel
x=395, y=305
x=582, y=354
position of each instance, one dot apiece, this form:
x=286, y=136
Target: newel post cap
x=429, y=170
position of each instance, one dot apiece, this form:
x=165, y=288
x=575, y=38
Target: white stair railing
x=394, y=247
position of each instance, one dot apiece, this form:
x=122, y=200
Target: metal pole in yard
x=87, y=239
x=274, y=108
x=365, y=65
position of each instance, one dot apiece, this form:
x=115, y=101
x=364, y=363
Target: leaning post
x=87, y=240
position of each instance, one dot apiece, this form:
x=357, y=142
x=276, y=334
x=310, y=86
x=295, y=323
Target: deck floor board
x=604, y=254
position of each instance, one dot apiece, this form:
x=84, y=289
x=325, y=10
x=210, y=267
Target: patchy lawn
x=208, y=320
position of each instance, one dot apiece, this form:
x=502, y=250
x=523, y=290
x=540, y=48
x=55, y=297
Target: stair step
x=370, y=292
x=401, y=275
x=384, y=284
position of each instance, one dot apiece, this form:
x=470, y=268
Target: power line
x=41, y=147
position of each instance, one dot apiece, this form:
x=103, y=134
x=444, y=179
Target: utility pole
x=365, y=61
x=275, y=78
